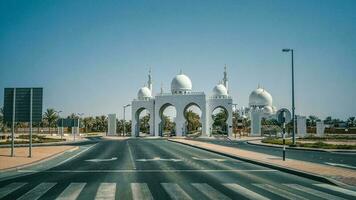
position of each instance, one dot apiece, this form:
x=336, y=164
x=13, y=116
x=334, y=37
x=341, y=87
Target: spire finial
x=180, y=71
x=161, y=88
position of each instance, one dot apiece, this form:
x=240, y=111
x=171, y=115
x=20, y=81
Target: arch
x=193, y=119
x=142, y=123
x=167, y=114
x=220, y=116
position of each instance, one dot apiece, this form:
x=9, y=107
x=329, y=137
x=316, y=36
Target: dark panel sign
x=67, y=122
x=22, y=104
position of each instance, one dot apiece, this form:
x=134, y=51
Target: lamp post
x=80, y=115
x=123, y=124
x=293, y=107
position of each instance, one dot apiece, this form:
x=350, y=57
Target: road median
x=327, y=174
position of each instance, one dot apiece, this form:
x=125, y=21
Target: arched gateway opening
x=143, y=118
x=193, y=123
x=167, y=126
x=219, y=125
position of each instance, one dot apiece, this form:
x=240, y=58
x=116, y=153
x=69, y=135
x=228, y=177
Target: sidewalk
x=345, y=176
x=21, y=158
x=260, y=143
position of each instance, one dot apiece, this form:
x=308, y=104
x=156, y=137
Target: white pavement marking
x=245, y=192
x=210, y=159
x=280, y=192
x=314, y=192
x=102, y=160
x=37, y=192
x=175, y=191
x=131, y=157
x=151, y=170
x=10, y=188
x=106, y=191
x=209, y=191
x=337, y=189
x=158, y=159
x=70, y=158
x=340, y=165
x=140, y=191
x=71, y=192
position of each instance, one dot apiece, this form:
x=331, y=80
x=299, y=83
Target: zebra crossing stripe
x=10, y=188
x=175, y=191
x=71, y=192
x=280, y=192
x=337, y=189
x=245, y=192
x=37, y=192
x=314, y=192
x=140, y=191
x=106, y=191
x=209, y=191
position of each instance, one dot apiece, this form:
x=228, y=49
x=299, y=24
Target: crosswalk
x=141, y=191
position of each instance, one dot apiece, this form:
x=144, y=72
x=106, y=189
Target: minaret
x=149, y=82
x=225, y=80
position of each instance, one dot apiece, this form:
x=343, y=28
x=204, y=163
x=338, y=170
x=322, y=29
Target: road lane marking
x=245, y=192
x=337, y=189
x=280, y=192
x=209, y=159
x=175, y=191
x=140, y=191
x=71, y=192
x=151, y=170
x=340, y=165
x=106, y=191
x=37, y=192
x=158, y=159
x=70, y=158
x=131, y=157
x=10, y=188
x=102, y=160
x=314, y=192
x=209, y=191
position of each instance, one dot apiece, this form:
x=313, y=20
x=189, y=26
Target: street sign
x=283, y=116
x=22, y=105
x=67, y=122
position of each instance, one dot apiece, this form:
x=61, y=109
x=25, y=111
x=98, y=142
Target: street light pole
x=123, y=124
x=61, y=124
x=293, y=106
x=80, y=115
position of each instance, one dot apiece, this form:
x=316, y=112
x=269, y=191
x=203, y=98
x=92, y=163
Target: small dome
x=260, y=97
x=144, y=93
x=219, y=90
x=181, y=84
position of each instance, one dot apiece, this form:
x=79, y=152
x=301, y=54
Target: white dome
x=260, y=97
x=144, y=93
x=219, y=90
x=181, y=84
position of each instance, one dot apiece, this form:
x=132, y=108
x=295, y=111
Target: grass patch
x=318, y=144
x=35, y=139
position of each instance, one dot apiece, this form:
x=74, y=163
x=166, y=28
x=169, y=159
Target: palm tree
x=144, y=124
x=50, y=116
x=88, y=123
x=351, y=121
x=193, y=121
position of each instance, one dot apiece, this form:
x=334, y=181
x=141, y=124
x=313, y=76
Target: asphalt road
x=340, y=159
x=159, y=169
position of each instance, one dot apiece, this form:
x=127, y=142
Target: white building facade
x=181, y=97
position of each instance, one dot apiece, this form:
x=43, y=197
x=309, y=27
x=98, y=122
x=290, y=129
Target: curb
x=276, y=167
x=38, y=161
x=51, y=144
x=304, y=149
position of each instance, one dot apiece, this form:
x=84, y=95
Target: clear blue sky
x=92, y=56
